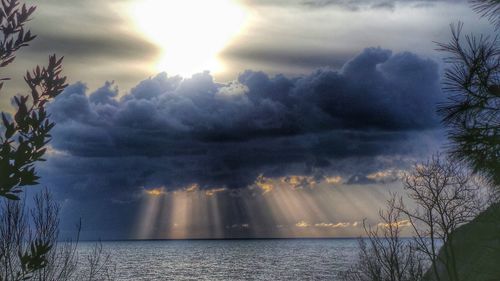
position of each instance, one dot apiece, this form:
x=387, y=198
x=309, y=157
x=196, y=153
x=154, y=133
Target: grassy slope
x=477, y=246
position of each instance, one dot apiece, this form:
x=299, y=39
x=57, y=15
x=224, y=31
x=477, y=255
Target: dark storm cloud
x=173, y=132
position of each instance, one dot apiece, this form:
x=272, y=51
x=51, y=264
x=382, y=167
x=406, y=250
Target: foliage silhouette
x=30, y=249
x=25, y=136
x=472, y=111
x=489, y=9
x=22, y=143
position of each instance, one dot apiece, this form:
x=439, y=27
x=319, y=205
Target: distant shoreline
x=227, y=239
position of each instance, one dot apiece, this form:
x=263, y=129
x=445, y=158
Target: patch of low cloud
x=377, y=177
x=214, y=191
x=399, y=224
x=333, y=225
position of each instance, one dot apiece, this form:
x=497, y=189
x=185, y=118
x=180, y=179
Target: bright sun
x=190, y=33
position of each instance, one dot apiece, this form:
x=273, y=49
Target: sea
x=259, y=259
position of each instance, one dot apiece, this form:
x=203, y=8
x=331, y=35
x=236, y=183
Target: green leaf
x=11, y=196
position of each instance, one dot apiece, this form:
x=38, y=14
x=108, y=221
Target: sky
x=238, y=118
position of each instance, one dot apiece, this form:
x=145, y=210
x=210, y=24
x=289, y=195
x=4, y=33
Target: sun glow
x=190, y=33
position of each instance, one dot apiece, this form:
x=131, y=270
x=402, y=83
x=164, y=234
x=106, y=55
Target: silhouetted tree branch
x=24, y=137
x=384, y=255
x=13, y=17
x=489, y=9
x=472, y=112
x=446, y=197
x=30, y=250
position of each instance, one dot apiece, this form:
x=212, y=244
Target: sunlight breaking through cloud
x=293, y=206
x=191, y=39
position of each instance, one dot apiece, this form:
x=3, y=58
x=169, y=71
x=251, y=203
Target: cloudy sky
x=238, y=118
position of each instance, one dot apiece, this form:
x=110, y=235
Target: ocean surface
x=274, y=259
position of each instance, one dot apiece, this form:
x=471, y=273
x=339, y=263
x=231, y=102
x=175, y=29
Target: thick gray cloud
x=373, y=114
x=174, y=132
x=349, y=120
x=95, y=37
x=101, y=41
x=95, y=46
x=289, y=58
x=352, y=4
x=373, y=4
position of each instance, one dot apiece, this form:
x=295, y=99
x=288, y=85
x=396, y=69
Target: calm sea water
x=284, y=259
